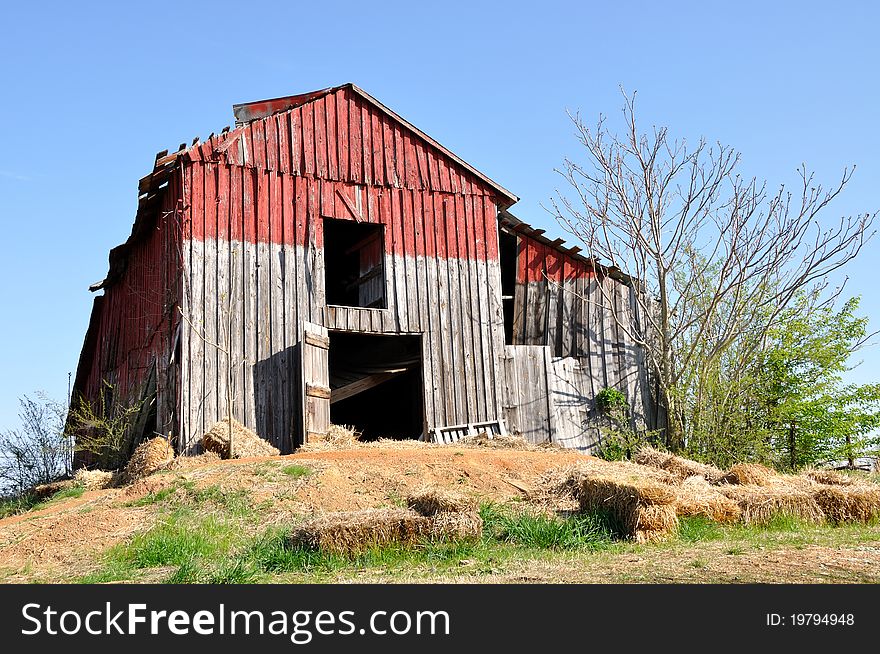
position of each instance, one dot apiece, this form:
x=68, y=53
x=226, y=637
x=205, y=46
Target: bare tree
x=715, y=256
x=38, y=452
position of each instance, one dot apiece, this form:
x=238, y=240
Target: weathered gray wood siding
x=588, y=331
x=254, y=271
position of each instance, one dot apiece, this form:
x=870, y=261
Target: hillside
x=226, y=520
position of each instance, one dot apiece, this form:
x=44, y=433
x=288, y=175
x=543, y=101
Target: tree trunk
x=792, y=445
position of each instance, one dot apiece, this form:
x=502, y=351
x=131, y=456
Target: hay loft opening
x=354, y=263
x=376, y=384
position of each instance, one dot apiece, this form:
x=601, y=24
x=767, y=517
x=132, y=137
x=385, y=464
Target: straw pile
x=245, y=442
x=188, y=462
x=354, y=532
x=433, y=501
x=696, y=497
x=678, y=466
x=753, y=474
x=456, y=525
x=828, y=477
x=760, y=504
x=853, y=503
x=497, y=442
x=94, y=479
x=149, y=457
x=644, y=509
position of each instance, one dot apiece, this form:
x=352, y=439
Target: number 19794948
x=810, y=619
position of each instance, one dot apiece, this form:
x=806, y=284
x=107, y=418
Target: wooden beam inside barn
x=364, y=384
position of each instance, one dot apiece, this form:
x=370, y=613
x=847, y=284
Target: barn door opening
x=376, y=384
x=315, y=384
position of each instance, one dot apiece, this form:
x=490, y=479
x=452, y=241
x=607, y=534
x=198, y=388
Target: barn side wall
x=254, y=264
x=133, y=324
x=559, y=304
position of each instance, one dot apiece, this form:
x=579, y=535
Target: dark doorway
x=354, y=263
x=508, y=247
x=376, y=384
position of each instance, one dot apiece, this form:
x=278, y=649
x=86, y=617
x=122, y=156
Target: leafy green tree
x=812, y=416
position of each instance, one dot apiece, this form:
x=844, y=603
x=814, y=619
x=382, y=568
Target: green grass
x=586, y=531
x=175, y=540
x=296, y=471
x=14, y=505
x=201, y=538
x=184, y=494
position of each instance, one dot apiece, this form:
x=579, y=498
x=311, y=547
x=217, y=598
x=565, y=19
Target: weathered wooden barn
x=325, y=260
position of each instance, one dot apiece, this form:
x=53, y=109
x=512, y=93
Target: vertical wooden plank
x=320, y=116
x=270, y=125
x=366, y=142
x=378, y=149
x=258, y=133
x=296, y=142
x=355, y=133
x=342, y=136
x=395, y=263
x=308, y=139
x=332, y=143
x=282, y=129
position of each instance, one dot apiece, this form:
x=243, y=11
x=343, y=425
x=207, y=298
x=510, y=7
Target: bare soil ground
x=61, y=541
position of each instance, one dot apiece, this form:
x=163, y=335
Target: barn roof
x=249, y=111
x=514, y=225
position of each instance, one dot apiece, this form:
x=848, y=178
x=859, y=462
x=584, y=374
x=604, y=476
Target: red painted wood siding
x=133, y=324
x=353, y=148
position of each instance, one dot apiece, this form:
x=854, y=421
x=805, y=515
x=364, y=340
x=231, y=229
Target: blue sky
x=90, y=92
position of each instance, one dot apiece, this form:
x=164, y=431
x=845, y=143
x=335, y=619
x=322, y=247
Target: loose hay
x=433, y=501
x=643, y=508
x=679, y=466
x=354, y=532
x=456, y=525
x=94, y=479
x=849, y=503
x=828, y=477
x=497, y=442
x=696, y=497
x=760, y=504
x=148, y=457
x=245, y=442
x=188, y=462
x=753, y=474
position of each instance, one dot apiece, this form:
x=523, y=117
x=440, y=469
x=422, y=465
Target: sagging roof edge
x=516, y=226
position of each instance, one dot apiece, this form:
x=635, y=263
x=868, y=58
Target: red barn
x=328, y=261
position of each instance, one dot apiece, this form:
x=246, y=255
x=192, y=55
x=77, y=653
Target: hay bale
x=696, y=497
x=828, y=477
x=245, y=442
x=753, y=474
x=760, y=504
x=149, y=457
x=43, y=491
x=353, y=532
x=643, y=508
x=678, y=466
x=94, y=479
x=432, y=501
x=456, y=525
x=842, y=504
